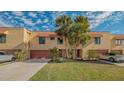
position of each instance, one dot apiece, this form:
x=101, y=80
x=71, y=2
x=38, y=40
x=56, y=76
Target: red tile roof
x=118, y=37
x=47, y=34
x=95, y=34
x=53, y=34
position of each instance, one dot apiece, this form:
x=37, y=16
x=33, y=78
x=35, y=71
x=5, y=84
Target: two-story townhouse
x=36, y=44
x=41, y=42
x=101, y=42
x=117, y=43
x=14, y=39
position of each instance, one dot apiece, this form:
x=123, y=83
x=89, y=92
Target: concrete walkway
x=20, y=71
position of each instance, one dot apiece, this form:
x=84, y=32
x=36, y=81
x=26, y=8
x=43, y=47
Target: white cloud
x=28, y=21
x=6, y=13
x=95, y=18
x=74, y=15
x=90, y=14
x=33, y=14
x=117, y=17
x=4, y=24
x=114, y=18
x=115, y=31
x=38, y=21
x=45, y=26
x=57, y=13
x=45, y=20
x=47, y=29
x=18, y=13
x=100, y=18
x=41, y=12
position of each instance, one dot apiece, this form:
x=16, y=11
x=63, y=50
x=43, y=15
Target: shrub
x=54, y=54
x=114, y=53
x=57, y=61
x=92, y=54
x=20, y=56
x=70, y=51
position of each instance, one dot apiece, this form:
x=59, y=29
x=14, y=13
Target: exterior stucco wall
x=34, y=41
x=26, y=38
x=14, y=39
x=116, y=47
x=105, y=44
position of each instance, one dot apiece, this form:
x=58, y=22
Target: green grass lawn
x=79, y=71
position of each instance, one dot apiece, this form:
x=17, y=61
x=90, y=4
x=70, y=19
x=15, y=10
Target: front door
x=78, y=53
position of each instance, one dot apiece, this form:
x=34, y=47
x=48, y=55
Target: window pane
x=116, y=42
x=59, y=41
x=122, y=42
x=119, y=42
x=97, y=40
x=41, y=40
x=2, y=38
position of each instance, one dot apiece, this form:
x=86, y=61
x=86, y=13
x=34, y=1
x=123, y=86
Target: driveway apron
x=20, y=71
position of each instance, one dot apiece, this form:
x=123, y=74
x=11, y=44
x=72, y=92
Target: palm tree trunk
x=71, y=52
x=74, y=52
x=82, y=53
x=66, y=50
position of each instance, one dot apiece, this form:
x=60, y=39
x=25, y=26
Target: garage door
x=117, y=51
x=105, y=51
x=39, y=53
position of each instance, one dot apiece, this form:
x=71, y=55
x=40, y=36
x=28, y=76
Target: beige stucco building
x=36, y=44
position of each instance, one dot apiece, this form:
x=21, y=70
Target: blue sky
x=111, y=21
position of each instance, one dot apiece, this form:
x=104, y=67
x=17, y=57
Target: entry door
x=78, y=53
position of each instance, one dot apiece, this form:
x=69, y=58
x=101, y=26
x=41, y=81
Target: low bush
x=58, y=60
x=113, y=53
x=54, y=54
x=92, y=54
x=20, y=56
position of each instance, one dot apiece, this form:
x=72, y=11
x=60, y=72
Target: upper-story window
x=41, y=40
x=59, y=41
x=119, y=41
x=52, y=38
x=2, y=38
x=97, y=40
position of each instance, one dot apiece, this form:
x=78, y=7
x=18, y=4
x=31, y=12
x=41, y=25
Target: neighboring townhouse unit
x=14, y=39
x=36, y=44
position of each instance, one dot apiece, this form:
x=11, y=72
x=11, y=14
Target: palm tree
x=84, y=37
x=62, y=24
x=75, y=32
x=78, y=33
x=74, y=37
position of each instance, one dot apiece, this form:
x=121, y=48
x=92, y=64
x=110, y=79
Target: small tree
x=54, y=54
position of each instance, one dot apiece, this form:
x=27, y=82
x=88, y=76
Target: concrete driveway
x=20, y=71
